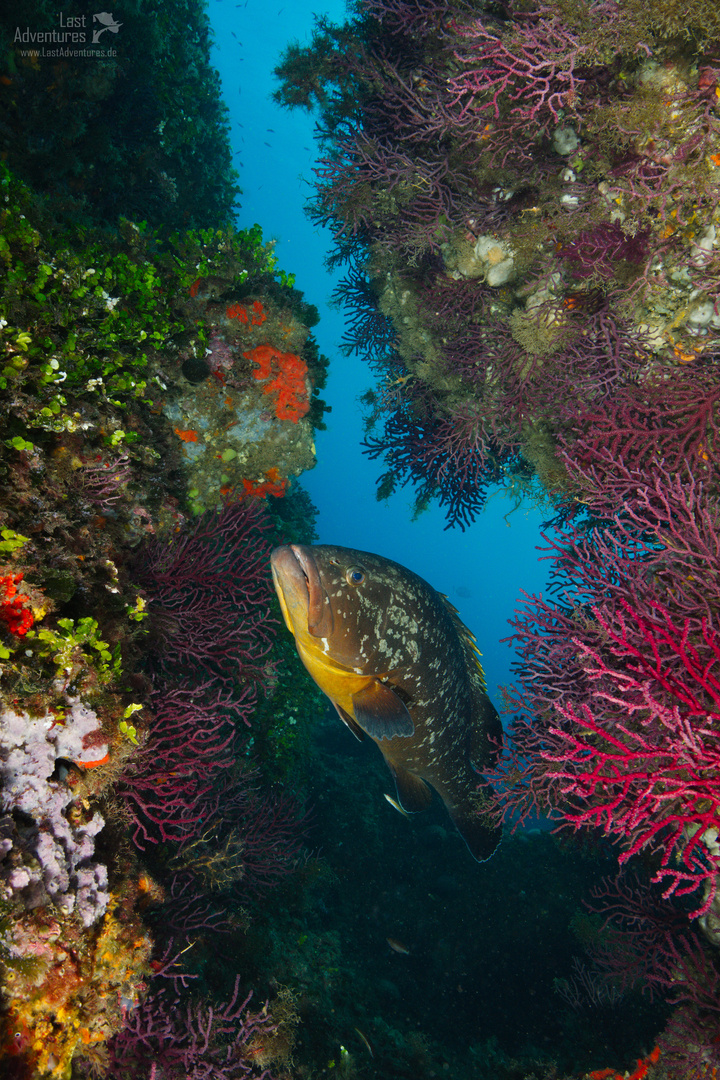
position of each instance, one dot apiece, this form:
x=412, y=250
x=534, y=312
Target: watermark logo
x=108, y=23
x=72, y=30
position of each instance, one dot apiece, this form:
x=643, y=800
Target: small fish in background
x=396, y=805
x=398, y=947
x=365, y=1041
x=400, y=667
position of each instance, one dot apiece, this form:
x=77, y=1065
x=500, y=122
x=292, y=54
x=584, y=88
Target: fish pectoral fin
x=413, y=793
x=381, y=713
x=349, y=722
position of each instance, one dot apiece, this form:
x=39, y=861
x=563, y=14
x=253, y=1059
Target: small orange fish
x=398, y=947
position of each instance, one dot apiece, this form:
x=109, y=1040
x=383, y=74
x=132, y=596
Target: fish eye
x=355, y=575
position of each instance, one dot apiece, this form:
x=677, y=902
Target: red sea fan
x=171, y=782
x=674, y=421
x=516, y=84
x=208, y=591
x=643, y=761
x=596, y=253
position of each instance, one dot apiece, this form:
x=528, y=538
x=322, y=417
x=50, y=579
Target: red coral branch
x=643, y=764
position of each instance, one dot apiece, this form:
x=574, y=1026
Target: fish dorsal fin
x=381, y=713
x=467, y=640
x=413, y=793
x=349, y=722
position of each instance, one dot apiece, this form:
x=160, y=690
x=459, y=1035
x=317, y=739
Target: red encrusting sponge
x=287, y=374
x=13, y=613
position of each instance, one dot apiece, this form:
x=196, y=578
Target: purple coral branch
x=208, y=591
x=101, y=482
x=197, y=1042
x=169, y=785
x=535, y=70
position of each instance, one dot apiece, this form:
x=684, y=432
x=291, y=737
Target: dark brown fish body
x=396, y=661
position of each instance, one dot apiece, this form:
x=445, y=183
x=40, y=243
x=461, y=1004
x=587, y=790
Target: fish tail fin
x=474, y=820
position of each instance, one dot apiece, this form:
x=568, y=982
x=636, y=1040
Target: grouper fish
x=400, y=667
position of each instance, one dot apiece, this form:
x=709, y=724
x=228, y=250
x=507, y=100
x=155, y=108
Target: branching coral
x=202, y=1042
x=620, y=669
x=368, y=332
x=172, y=780
x=517, y=85
x=648, y=778
x=442, y=458
x=208, y=591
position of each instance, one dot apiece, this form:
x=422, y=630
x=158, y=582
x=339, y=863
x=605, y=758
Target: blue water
x=481, y=570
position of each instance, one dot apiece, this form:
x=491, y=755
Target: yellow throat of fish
x=339, y=683
x=336, y=681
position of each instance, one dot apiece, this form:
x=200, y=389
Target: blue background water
x=481, y=570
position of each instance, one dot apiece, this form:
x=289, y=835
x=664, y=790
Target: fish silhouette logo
x=108, y=23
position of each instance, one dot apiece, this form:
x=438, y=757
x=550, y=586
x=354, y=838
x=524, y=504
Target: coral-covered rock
x=52, y=861
x=247, y=413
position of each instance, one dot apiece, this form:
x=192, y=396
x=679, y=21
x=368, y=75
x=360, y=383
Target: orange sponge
x=287, y=374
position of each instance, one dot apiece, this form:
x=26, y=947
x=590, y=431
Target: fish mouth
x=295, y=568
